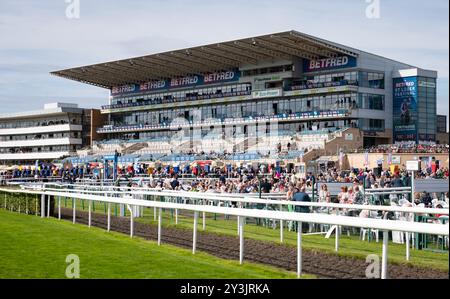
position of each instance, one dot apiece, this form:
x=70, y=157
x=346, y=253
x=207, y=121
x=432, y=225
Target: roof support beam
x=141, y=71
x=162, y=72
x=290, y=51
x=201, y=61
x=165, y=63
x=106, y=79
x=227, y=54
x=221, y=63
x=219, y=55
x=247, y=54
x=303, y=46
x=261, y=50
x=110, y=69
x=324, y=45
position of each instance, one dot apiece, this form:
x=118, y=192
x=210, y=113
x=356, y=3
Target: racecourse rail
x=381, y=224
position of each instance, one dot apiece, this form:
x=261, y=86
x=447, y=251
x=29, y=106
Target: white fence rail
x=380, y=224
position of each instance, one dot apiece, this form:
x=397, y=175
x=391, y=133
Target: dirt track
x=321, y=264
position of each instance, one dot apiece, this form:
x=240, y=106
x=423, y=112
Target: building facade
x=57, y=131
x=305, y=84
x=442, y=136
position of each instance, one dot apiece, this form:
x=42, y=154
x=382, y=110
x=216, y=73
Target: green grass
x=350, y=246
x=31, y=247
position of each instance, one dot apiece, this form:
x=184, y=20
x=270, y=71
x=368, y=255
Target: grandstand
x=268, y=94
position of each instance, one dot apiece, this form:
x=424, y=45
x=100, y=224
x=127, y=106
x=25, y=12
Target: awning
x=206, y=59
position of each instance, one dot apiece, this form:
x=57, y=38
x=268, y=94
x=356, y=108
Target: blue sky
x=36, y=37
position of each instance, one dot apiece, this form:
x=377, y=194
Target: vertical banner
x=405, y=109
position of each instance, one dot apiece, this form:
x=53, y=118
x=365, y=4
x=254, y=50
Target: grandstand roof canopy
x=204, y=59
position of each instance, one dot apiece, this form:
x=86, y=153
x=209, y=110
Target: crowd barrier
x=241, y=213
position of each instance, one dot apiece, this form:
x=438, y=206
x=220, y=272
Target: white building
x=45, y=135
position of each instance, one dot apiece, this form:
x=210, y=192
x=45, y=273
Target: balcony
x=40, y=142
x=40, y=130
x=34, y=156
x=325, y=87
x=173, y=102
x=310, y=115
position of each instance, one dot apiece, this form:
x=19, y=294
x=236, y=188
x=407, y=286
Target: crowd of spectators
x=407, y=148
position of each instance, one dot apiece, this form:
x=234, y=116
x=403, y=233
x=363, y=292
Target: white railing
x=380, y=224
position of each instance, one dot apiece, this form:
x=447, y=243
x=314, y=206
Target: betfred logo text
x=329, y=63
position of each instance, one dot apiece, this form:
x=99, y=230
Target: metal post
x=74, y=207
x=412, y=186
x=204, y=221
x=281, y=232
x=241, y=241
x=407, y=245
x=194, y=238
x=238, y=224
x=154, y=213
x=48, y=206
x=336, y=244
x=42, y=205
x=384, y=255
x=59, y=207
x=89, y=212
x=176, y=216
x=131, y=208
x=299, y=249
x=109, y=217
x=159, y=226
x=281, y=227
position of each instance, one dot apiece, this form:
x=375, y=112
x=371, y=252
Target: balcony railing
x=324, y=84
x=171, y=99
x=251, y=119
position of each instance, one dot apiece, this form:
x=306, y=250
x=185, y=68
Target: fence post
x=109, y=217
x=281, y=227
x=194, y=237
x=238, y=225
x=159, y=226
x=42, y=205
x=384, y=255
x=336, y=244
x=131, y=208
x=48, y=206
x=89, y=213
x=407, y=245
x=241, y=240
x=204, y=221
x=59, y=207
x=74, y=210
x=299, y=249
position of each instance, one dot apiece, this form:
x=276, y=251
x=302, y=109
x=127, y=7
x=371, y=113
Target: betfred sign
x=328, y=63
x=187, y=81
